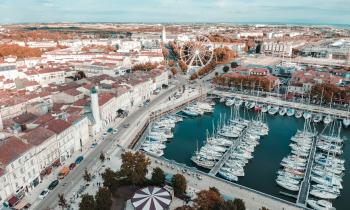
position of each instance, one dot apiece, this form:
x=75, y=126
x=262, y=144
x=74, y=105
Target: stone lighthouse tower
x=95, y=109
x=164, y=35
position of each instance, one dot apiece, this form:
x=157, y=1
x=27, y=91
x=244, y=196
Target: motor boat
x=290, y=112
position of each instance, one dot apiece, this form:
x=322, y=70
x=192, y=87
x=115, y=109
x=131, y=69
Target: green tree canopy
x=110, y=179
x=87, y=202
x=134, y=167
x=179, y=184
x=158, y=177
x=103, y=199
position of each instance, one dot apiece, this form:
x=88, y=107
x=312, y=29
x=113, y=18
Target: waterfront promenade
x=254, y=200
x=277, y=102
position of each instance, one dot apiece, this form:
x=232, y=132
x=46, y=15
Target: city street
x=107, y=145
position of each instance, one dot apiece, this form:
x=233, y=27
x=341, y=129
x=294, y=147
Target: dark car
x=79, y=159
x=53, y=185
x=72, y=165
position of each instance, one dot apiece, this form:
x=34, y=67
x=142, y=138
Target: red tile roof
x=57, y=126
x=43, y=119
x=11, y=148
x=104, y=98
x=74, y=110
x=38, y=135
x=72, y=92
x=81, y=102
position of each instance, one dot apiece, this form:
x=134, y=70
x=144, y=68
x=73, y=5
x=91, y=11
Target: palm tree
x=62, y=202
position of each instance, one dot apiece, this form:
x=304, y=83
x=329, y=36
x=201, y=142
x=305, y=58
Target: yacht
x=283, y=111
x=346, y=122
x=190, y=112
x=252, y=105
x=298, y=114
x=153, y=151
x=290, y=112
x=328, y=119
x=230, y=102
x=264, y=109
x=317, y=118
x=320, y=204
x=288, y=186
x=229, y=176
x=307, y=115
x=323, y=194
x=273, y=110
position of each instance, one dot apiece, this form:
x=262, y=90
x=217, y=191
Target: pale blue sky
x=285, y=11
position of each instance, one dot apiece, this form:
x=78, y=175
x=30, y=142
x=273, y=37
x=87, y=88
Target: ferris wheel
x=197, y=52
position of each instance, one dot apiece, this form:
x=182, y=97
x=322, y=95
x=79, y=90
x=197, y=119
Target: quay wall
x=253, y=199
x=277, y=102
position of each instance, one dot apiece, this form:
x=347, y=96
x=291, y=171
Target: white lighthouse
x=164, y=35
x=95, y=109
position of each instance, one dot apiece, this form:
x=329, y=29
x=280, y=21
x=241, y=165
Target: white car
x=43, y=194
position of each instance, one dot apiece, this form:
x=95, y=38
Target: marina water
x=260, y=172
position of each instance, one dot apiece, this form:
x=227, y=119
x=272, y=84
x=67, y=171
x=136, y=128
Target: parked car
x=63, y=172
x=126, y=125
x=93, y=145
x=79, y=159
x=43, y=194
x=72, y=166
x=53, y=184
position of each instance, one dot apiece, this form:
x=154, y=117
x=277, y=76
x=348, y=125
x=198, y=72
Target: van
x=63, y=172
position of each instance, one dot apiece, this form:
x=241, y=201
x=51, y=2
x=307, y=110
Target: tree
x=226, y=69
x=179, y=184
x=103, y=199
x=183, y=66
x=62, y=202
x=171, y=63
x=234, y=65
x=239, y=203
x=145, y=66
x=165, y=52
x=264, y=208
x=134, y=167
x=102, y=157
x=87, y=176
x=87, y=202
x=110, y=179
x=18, y=51
x=228, y=205
x=158, y=177
x=173, y=71
x=208, y=199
